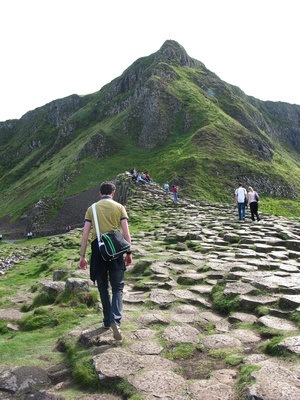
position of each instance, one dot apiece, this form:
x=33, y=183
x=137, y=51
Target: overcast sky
x=54, y=48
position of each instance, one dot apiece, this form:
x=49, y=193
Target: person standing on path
x=166, y=188
x=253, y=199
x=175, y=193
x=111, y=216
x=240, y=196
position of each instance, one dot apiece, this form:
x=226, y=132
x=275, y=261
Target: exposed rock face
x=99, y=146
x=59, y=111
x=172, y=53
x=151, y=118
x=287, y=130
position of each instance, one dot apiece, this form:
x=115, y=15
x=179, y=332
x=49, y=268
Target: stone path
x=203, y=282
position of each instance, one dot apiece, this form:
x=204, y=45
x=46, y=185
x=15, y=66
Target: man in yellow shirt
x=111, y=216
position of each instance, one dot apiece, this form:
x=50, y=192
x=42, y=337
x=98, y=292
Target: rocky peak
x=173, y=53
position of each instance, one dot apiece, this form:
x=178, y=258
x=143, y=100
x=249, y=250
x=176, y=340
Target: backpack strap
x=96, y=222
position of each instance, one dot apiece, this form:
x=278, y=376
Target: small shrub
x=3, y=328
x=285, y=305
x=181, y=351
x=45, y=317
x=45, y=266
x=234, y=359
x=203, y=268
x=90, y=299
x=296, y=318
x=126, y=390
x=267, y=333
x=223, y=354
x=142, y=268
x=25, y=308
x=177, y=247
x=245, y=380
x=44, y=298
x=180, y=247
x=33, y=322
x=186, y=280
x=262, y=310
x=34, y=288
x=210, y=328
x=179, y=261
x=84, y=373
x=224, y=303
x=141, y=285
x=271, y=347
x=199, y=249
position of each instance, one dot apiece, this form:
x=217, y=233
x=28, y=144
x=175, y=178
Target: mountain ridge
x=166, y=113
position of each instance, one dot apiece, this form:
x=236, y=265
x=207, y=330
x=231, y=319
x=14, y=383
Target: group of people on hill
x=244, y=197
x=144, y=178
x=140, y=177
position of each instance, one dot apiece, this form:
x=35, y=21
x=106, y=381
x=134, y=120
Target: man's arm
x=126, y=234
x=84, y=241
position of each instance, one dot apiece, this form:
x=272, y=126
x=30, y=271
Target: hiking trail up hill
x=200, y=280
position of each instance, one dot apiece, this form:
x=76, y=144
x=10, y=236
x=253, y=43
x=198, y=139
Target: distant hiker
x=140, y=179
x=68, y=228
x=1, y=237
x=111, y=216
x=175, y=193
x=29, y=235
x=148, y=178
x=166, y=188
x=253, y=200
x=240, y=195
x=133, y=173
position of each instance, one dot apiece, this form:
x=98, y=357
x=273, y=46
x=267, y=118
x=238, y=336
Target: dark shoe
x=117, y=333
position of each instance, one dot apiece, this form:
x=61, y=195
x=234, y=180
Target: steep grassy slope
x=167, y=114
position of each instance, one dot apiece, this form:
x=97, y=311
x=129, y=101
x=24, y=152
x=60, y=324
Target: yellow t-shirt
x=109, y=213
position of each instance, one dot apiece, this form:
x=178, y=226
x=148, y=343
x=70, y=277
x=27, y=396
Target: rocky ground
x=170, y=302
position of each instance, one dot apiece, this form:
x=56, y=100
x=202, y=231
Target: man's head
x=107, y=188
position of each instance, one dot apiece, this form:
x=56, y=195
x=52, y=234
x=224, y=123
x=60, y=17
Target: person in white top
x=253, y=199
x=240, y=196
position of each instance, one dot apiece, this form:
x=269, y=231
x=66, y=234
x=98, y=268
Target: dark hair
x=107, y=188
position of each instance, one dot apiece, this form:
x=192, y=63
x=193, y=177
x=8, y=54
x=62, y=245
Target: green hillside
x=166, y=114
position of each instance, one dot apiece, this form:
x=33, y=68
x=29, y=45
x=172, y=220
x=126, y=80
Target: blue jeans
x=241, y=210
x=107, y=273
x=112, y=305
